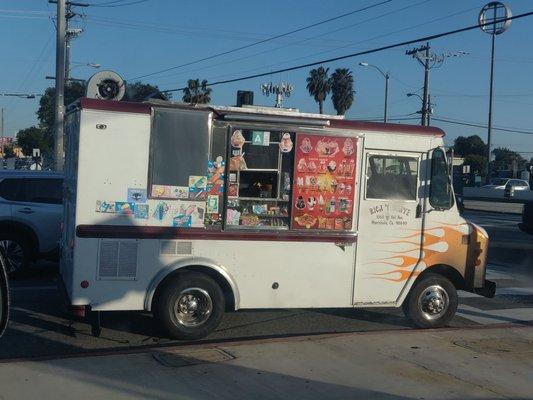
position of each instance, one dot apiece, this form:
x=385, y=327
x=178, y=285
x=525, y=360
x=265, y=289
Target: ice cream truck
x=188, y=212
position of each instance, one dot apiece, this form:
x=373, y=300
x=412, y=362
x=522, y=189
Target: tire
x=432, y=302
x=189, y=306
x=17, y=251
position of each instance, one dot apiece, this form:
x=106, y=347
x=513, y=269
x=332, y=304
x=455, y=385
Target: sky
x=139, y=37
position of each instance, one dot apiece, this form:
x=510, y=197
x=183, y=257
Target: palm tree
x=196, y=92
x=319, y=86
x=342, y=92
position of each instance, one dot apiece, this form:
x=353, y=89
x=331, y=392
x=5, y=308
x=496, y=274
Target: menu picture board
x=324, y=182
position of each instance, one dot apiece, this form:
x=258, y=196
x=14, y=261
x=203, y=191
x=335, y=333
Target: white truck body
x=116, y=252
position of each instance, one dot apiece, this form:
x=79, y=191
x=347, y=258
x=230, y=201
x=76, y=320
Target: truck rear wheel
x=189, y=306
x=432, y=302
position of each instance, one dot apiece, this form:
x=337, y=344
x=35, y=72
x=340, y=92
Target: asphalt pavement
x=41, y=328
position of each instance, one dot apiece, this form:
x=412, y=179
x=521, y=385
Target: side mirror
x=4, y=297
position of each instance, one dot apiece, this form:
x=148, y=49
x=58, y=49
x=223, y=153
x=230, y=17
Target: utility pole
x=429, y=60
x=62, y=71
x=60, y=85
x=425, y=101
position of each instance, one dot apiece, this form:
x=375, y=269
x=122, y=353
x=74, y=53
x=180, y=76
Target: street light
x=90, y=65
x=494, y=20
x=386, y=76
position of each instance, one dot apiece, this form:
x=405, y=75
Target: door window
x=391, y=177
x=33, y=190
x=440, y=190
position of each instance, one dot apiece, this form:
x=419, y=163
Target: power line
x=479, y=125
x=112, y=4
x=264, y=40
x=358, y=24
x=375, y=50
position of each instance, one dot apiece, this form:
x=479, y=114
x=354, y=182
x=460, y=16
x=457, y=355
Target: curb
x=257, y=341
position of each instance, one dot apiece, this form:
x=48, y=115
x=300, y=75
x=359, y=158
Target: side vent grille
x=175, y=248
x=117, y=259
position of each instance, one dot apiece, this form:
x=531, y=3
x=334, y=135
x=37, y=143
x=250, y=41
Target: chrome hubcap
x=13, y=254
x=433, y=302
x=193, y=307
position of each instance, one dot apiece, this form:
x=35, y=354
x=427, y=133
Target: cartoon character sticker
x=124, y=207
x=136, y=195
x=141, y=211
x=161, y=210
x=104, y=206
x=161, y=191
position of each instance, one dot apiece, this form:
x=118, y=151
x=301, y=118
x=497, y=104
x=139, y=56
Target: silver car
x=30, y=216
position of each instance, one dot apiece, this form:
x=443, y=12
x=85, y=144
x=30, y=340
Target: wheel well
x=22, y=229
x=448, y=272
x=229, y=296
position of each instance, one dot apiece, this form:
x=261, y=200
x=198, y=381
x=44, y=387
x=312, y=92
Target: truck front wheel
x=432, y=302
x=189, y=306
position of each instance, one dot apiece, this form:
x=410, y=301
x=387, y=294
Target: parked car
x=4, y=297
x=501, y=183
x=30, y=216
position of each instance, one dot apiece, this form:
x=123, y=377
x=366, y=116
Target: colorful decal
x=141, y=211
x=124, y=207
x=197, y=187
x=189, y=214
x=233, y=190
x=232, y=217
x=136, y=195
x=104, y=206
x=212, y=204
x=237, y=139
x=443, y=244
x=325, y=178
x=160, y=191
x=237, y=163
x=215, y=176
x=179, y=192
x=285, y=143
x=161, y=210
x=260, y=138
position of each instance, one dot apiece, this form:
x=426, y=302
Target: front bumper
x=487, y=290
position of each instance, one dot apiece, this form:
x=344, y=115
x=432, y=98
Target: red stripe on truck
x=163, y=232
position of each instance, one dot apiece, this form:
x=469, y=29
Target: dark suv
x=30, y=216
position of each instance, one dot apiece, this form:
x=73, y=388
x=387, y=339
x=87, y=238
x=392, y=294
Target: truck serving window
x=391, y=177
x=260, y=177
x=179, y=147
x=440, y=190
